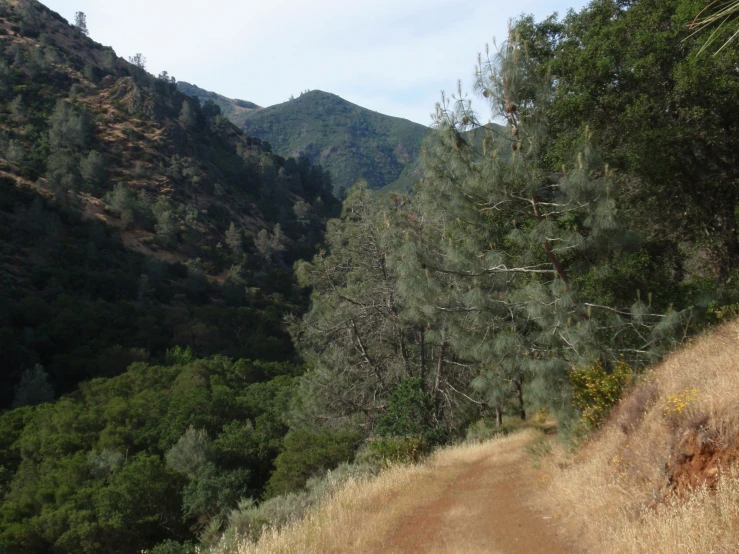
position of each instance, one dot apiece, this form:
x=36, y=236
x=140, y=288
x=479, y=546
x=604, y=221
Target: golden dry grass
x=360, y=515
x=614, y=494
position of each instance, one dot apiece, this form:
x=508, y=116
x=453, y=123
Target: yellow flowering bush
x=595, y=391
x=677, y=403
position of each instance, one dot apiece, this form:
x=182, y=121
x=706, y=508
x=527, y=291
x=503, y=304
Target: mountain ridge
x=348, y=140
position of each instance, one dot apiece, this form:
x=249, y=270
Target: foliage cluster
x=155, y=453
x=595, y=391
x=557, y=242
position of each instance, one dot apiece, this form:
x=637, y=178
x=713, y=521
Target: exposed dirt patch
x=698, y=459
x=481, y=507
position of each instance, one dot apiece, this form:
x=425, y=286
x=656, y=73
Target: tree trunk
x=422, y=371
x=437, y=379
x=498, y=416
x=559, y=270
x=519, y=391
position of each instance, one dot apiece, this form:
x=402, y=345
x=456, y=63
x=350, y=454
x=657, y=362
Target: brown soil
x=699, y=459
x=480, y=507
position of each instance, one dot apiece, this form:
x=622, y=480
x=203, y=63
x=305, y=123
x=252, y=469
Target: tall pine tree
x=508, y=251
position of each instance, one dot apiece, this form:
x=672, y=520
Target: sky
x=391, y=56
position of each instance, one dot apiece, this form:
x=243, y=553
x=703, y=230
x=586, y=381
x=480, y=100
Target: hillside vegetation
x=351, y=142
x=134, y=219
x=234, y=109
x=197, y=332
x=661, y=475
x=137, y=226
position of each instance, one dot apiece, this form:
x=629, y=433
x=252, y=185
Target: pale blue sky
x=392, y=56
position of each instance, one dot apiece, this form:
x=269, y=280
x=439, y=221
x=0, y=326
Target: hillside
x=661, y=475
x=349, y=141
x=201, y=347
x=93, y=146
x=234, y=109
x=146, y=244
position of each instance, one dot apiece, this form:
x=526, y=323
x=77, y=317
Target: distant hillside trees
x=80, y=21
x=138, y=59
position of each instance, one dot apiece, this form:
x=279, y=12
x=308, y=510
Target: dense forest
x=194, y=330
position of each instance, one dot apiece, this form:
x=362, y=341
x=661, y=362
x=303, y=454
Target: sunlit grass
x=614, y=494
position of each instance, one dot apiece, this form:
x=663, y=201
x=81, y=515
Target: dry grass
x=360, y=514
x=616, y=493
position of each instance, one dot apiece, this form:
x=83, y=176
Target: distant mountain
x=234, y=109
x=349, y=141
x=108, y=173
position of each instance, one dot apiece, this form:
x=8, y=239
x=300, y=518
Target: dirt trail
x=473, y=504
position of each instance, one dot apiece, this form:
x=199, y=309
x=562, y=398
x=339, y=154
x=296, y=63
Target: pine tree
x=233, y=239
x=18, y=109
x=138, y=59
x=187, y=115
x=358, y=337
x=80, y=21
x=62, y=174
x=15, y=151
x=33, y=388
x=92, y=168
x=503, y=247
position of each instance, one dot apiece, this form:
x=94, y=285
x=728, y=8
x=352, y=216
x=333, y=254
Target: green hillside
x=349, y=141
x=138, y=228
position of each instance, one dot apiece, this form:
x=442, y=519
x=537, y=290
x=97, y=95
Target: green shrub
x=307, y=454
x=382, y=452
x=410, y=413
x=595, y=391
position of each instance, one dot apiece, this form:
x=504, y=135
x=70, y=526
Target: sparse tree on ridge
x=138, y=60
x=80, y=21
